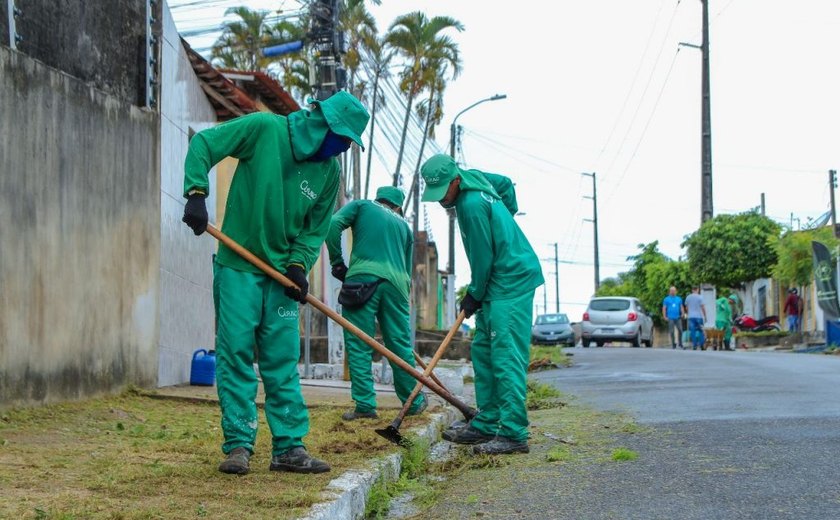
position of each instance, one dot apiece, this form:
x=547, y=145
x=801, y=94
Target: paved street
x=724, y=435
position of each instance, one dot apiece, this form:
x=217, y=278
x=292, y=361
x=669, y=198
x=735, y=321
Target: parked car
x=552, y=329
x=616, y=318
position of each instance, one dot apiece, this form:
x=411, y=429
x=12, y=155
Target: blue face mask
x=333, y=145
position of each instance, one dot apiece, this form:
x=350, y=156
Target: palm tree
x=380, y=57
x=357, y=22
x=417, y=38
x=241, y=43
x=294, y=67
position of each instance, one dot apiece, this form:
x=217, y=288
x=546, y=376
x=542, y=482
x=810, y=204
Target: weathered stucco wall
x=79, y=237
x=102, y=42
x=186, y=269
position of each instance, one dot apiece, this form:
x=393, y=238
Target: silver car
x=552, y=329
x=616, y=318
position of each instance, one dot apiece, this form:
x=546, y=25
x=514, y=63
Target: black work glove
x=469, y=305
x=298, y=277
x=195, y=213
x=339, y=271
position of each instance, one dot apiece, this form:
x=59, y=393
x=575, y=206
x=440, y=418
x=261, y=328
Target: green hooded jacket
x=502, y=263
x=279, y=205
x=382, y=243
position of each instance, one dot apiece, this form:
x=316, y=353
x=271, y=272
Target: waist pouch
x=356, y=294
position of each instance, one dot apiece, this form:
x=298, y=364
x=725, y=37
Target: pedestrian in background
x=673, y=312
x=279, y=208
x=725, y=309
x=793, y=310
x=375, y=288
x=696, y=318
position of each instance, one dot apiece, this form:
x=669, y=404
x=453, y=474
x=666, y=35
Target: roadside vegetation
x=133, y=456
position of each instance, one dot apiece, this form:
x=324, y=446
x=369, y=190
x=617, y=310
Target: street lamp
x=451, y=212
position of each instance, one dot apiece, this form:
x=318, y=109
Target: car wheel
x=584, y=342
x=599, y=343
x=637, y=340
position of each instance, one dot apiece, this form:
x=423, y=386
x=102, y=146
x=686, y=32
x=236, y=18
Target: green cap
x=345, y=115
x=438, y=172
x=392, y=194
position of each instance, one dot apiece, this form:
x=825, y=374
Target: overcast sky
x=599, y=85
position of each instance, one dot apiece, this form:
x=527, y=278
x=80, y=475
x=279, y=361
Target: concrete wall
x=101, y=42
x=186, y=274
x=79, y=237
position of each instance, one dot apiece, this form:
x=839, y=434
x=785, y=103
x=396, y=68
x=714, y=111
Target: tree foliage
x=652, y=275
x=793, y=249
x=729, y=250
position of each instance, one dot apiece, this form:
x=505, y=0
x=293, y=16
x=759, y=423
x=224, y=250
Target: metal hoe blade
x=392, y=434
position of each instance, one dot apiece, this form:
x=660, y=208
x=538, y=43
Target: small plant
x=378, y=501
x=472, y=499
x=624, y=454
x=469, y=380
x=558, y=454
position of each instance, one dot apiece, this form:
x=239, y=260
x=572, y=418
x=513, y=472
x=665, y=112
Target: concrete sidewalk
x=316, y=392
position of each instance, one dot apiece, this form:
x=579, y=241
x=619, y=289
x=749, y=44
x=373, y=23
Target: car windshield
x=546, y=319
x=609, y=305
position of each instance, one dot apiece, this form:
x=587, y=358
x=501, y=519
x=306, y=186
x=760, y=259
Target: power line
x=645, y=129
x=644, y=91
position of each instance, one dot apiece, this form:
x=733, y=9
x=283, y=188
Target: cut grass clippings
x=545, y=358
x=133, y=457
x=541, y=396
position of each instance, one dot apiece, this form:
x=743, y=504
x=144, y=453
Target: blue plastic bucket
x=203, y=369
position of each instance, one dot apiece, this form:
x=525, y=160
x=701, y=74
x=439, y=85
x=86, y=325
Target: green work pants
x=727, y=332
x=254, y=316
x=391, y=310
x=500, y=352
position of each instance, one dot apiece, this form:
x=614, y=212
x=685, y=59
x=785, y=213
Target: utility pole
x=556, y=281
x=594, y=221
x=762, y=205
x=706, y=149
x=832, y=185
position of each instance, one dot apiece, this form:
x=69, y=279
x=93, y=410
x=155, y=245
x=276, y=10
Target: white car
x=616, y=318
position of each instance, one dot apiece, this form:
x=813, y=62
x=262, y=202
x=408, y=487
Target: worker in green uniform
x=505, y=272
x=279, y=206
x=376, y=288
x=724, y=308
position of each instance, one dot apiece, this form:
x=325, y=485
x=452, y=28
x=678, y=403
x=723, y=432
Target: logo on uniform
x=489, y=198
x=307, y=191
x=287, y=314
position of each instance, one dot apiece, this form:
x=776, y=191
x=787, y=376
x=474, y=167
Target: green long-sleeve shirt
x=502, y=262
x=382, y=243
x=277, y=208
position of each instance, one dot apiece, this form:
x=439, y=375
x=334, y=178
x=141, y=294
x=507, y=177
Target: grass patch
x=132, y=456
x=623, y=454
x=469, y=380
x=413, y=479
x=558, y=454
x=541, y=396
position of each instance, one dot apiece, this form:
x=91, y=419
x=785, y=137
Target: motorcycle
x=747, y=323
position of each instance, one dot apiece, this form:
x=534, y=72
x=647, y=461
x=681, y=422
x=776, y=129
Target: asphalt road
x=725, y=435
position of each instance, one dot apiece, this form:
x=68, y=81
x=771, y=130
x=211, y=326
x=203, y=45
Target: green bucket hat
x=438, y=172
x=345, y=115
x=392, y=194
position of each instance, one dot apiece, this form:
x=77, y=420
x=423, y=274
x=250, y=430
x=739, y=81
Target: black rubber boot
x=296, y=460
x=352, y=415
x=501, y=446
x=466, y=435
x=236, y=462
